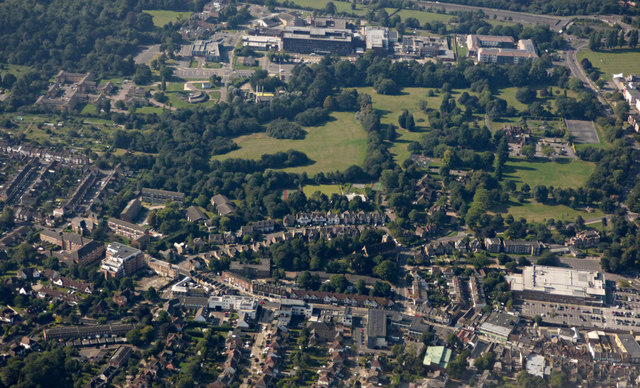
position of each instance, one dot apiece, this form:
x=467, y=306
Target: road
x=557, y=22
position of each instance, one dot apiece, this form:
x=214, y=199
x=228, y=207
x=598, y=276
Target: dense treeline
x=79, y=35
x=291, y=158
x=558, y=7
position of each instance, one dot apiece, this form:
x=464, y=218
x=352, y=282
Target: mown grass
x=561, y=173
x=341, y=6
x=392, y=106
x=612, y=62
x=163, y=17
x=537, y=212
x=327, y=190
x=334, y=146
x=422, y=16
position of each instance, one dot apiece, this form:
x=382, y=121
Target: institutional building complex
x=560, y=285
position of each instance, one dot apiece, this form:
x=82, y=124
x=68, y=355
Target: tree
x=595, y=41
x=633, y=38
x=361, y=287
x=381, y=289
x=9, y=79
x=402, y=119
x=611, y=39
x=621, y=40
x=526, y=95
x=410, y=123
x=143, y=75
x=387, y=270
x=586, y=64
x=308, y=281
x=540, y=193
x=330, y=8
x=386, y=86
x=528, y=151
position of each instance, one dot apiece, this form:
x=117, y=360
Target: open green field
x=16, y=70
x=391, y=107
x=327, y=190
x=162, y=17
x=422, y=16
x=341, y=6
x=334, y=146
x=509, y=95
x=612, y=62
x=147, y=110
x=561, y=173
x=537, y=212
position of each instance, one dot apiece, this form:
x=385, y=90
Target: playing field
x=334, y=146
x=561, y=173
x=327, y=190
x=537, y=212
x=341, y=6
x=161, y=17
x=422, y=16
x=613, y=62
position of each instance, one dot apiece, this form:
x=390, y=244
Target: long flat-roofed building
x=161, y=196
x=307, y=40
x=560, y=285
x=500, y=49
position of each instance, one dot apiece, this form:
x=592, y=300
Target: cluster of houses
x=492, y=245
x=65, y=156
x=329, y=218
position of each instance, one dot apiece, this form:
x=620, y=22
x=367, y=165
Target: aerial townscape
x=319, y=193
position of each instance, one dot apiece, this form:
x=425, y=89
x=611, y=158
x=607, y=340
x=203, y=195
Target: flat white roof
x=559, y=281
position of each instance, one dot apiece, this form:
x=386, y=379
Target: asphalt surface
x=584, y=132
x=516, y=17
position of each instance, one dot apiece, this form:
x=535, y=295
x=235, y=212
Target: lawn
x=334, y=146
x=341, y=6
x=16, y=70
x=537, y=212
x=422, y=16
x=509, y=95
x=612, y=62
x=561, y=173
x=391, y=107
x=149, y=110
x=327, y=190
x=161, y=17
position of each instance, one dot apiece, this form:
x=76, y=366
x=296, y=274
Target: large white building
x=500, y=49
x=561, y=285
x=240, y=304
x=121, y=260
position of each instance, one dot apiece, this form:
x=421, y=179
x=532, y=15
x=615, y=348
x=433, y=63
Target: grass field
x=16, y=70
x=341, y=6
x=334, y=146
x=391, y=107
x=327, y=190
x=612, y=62
x=537, y=212
x=161, y=17
x=149, y=110
x=422, y=16
x=561, y=173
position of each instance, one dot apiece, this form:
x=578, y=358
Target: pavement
x=522, y=17
x=147, y=54
x=583, y=132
